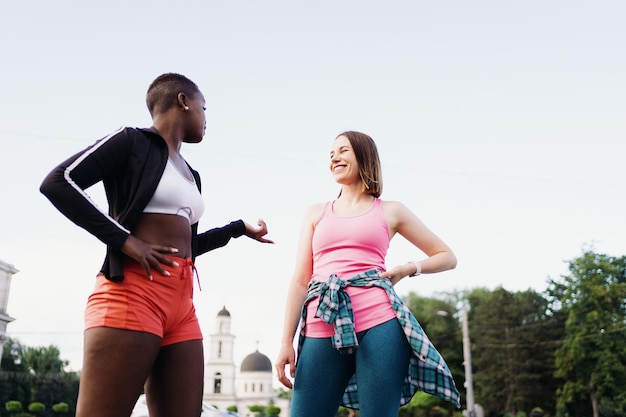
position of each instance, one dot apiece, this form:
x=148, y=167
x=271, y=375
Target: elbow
x=48, y=185
x=452, y=261
x=45, y=185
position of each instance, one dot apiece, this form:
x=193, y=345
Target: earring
x=186, y=108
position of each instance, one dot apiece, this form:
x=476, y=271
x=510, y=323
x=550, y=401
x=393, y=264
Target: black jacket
x=130, y=163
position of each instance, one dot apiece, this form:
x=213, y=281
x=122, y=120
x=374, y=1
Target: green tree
x=513, y=337
x=36, y=375
x=15, y=382
x=43, y=360
x=592, y=359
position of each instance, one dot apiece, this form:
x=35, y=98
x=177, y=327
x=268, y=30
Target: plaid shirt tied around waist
x=427, y=369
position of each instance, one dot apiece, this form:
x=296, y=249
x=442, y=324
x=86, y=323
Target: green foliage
x=272, y=410
x=284, y=393
x=592, y=359
x=232, y=408
x=13, y=406
x=43, y=360
x=346, y=412
x=61, y=408
x=36, y=407
x=258, y=409
x=36, y=375
x=513, y=337
x=421, y=404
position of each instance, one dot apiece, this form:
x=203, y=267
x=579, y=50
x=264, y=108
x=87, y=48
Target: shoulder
x=313, y=212
x=396, y=212
x=141, y=139
x=127, y=134
x=393, y=206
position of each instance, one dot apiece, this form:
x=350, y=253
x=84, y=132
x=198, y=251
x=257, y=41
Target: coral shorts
x=163, y=307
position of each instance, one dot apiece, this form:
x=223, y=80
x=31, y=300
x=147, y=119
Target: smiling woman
x=342, y=294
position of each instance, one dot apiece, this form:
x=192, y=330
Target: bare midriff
x=169, y=230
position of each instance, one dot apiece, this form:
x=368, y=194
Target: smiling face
x=354, y=159
x=343, y=162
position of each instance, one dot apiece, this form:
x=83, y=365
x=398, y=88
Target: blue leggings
x=380, y=363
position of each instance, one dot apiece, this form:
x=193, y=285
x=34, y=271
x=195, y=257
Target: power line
x=405, y=168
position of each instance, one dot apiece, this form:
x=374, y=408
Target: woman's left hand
x=258, y=232
x=396, y=273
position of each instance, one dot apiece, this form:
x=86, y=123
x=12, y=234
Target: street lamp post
x=467, y=361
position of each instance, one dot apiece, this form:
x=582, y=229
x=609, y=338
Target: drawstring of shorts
x=194, y=271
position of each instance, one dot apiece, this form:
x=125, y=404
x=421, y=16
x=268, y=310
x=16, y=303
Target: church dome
x=256, y=362
x=223, y=312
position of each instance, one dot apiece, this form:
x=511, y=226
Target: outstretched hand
x=258, y=232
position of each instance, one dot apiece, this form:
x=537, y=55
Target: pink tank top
x=348, y=246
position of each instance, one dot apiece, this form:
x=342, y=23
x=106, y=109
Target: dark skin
x=119, y=363
x=160, y=236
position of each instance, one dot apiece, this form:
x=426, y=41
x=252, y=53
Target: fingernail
x=174, y=250
x=175, y=263
x=167, y=274
x=151, y=279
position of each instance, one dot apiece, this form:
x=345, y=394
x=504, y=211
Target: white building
x=6, y=273
x=225, y=387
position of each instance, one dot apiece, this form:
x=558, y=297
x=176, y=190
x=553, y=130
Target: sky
x=500, y=124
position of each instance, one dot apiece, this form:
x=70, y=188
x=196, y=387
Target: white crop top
x=175, y=194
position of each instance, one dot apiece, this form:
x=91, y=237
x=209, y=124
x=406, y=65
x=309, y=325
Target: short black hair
x=163, y=92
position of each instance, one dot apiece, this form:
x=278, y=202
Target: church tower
x=6, y=273
x=219, y=371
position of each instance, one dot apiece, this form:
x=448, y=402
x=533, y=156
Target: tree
x=513, y=338
x=43, y=360
x=592, y=359
x=15, y=382
x=36, y=374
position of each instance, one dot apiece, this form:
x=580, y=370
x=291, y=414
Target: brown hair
x=367, y=157
x=163, y=91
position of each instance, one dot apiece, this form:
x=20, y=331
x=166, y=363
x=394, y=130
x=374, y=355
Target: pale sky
x=499, y=123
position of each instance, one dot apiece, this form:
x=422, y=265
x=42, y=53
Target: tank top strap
x=377, y=204
x=327, y=210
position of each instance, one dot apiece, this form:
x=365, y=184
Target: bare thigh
x=175, y=385
x=116, y=364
